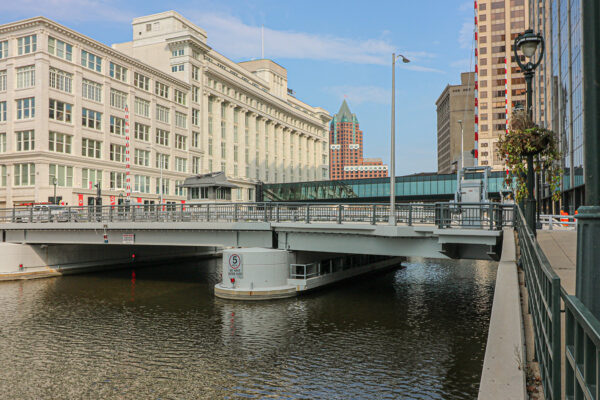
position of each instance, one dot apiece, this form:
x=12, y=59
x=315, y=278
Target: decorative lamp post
x=392, y=219
x=527, y=43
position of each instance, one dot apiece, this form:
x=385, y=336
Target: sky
x=332, y=49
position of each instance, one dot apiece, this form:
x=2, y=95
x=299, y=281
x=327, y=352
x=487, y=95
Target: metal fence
x=581, y=329
x=491, y=216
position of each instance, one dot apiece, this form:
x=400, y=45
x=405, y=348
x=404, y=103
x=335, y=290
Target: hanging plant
x=526, y=138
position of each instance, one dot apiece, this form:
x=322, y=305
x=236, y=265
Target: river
x=158, y=333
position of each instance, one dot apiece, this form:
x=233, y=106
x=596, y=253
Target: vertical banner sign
x=506, y=99
x=112, y=200
x=80, y=200
x=127, y=156
x=476, y=125
x=139, y=200
x=236, y=266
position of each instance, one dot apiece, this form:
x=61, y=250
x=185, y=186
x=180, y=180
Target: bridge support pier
x=265, y=274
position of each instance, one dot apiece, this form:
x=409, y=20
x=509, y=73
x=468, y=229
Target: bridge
x=419, y=187
x=438, y=230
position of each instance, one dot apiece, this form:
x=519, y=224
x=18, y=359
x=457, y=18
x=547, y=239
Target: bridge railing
x=578, y=337
x=444, y=215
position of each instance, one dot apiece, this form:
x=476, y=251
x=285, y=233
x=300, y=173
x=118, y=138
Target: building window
x=180, y=164
x=162, y=137
x=180, y=142
x=210, y=125
x=63, y=175
x=24, y=174
x=2, y=111
x=142, y=132
x=195, y=73
x=27, y=44
x=142, y=157
x=91, y=148
x=61, y=80
x=60, y=48
x=198, y=193
x=210, y=146
x=3, y=174
x=3, y=142
x=196, y=139
x=92, y=91
x=3, y=81
x=162, y=161
x=162, y=114
x=25, y=140
x=26, y=108
x=177, y=52
x=142, y=107
x=59, y=142
x=162, y=90
x=165, y=186
x=195, y=117
x=118, y=99
x=195, y=94
x=90, y=177
x=223, y=150
x=117, y=180
x=177, y=67
x=26, y=77
x=223, y=130
x=117, y=125
x=60, y=111
x=118, y=72
x=141, y=81
x=196, y=165
x=180, y=97
x=117, y=152
x=3, y=49
x=91, y=119
x=91, y=61
x=179, y=191
x=142, y=184
x=180, y=120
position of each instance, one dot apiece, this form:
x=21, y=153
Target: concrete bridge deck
x=560, y=247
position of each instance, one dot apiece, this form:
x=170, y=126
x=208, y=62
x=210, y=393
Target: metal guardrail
x=581, y=329
x=491, y=216
x=558, y=221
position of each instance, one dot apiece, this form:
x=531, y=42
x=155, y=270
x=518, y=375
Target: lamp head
x=528, y=43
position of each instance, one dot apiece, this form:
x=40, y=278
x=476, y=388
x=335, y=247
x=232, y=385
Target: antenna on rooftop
x=262, y=42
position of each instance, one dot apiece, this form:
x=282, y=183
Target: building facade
x=558, y=93
x=456, y=103
x=500, y=82
x=346, y=147
x=67, y=102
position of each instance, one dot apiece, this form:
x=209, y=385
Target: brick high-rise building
x=346, y=149
x=501, y=85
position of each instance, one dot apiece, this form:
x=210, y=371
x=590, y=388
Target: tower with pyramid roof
x=346, y=149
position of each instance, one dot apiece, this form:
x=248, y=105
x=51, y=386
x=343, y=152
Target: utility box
x=470, y=192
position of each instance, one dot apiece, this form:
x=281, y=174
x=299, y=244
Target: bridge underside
x=407, y=241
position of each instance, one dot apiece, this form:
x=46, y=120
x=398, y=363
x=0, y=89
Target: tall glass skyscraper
x=558, y=92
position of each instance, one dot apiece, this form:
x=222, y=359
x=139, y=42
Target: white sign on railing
x=128, y=238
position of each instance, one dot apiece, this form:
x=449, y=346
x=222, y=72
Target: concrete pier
x=265, y=274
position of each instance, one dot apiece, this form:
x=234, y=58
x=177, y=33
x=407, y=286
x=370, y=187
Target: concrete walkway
x=560, y=247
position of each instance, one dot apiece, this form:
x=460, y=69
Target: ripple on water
x=416, y=333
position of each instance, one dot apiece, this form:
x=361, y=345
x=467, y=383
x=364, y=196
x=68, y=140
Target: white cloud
x=466, y=6
x=69, y=10
x=465, y=34
x=361, y=94
x=237, y=39
x=464, y=64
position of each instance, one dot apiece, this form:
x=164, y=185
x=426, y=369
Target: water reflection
x=158, y=332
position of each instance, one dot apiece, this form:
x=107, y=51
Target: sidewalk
x=560, y=247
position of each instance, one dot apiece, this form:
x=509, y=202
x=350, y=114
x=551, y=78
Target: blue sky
x=330, y=49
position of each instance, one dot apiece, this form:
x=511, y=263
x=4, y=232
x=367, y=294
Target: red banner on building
x=112, y=200
x=80, y=200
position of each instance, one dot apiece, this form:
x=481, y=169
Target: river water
x=158, y=333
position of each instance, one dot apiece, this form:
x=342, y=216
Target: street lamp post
x=54, y=182
x=462, y=145
x=528, y=42
x=392, y=219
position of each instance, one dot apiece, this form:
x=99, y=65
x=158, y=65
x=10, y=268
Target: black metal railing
x=581, y=329
x=491, y=216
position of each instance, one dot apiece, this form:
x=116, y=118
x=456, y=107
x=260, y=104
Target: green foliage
x=526, y=138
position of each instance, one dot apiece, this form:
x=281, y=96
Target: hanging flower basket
x=525, y=138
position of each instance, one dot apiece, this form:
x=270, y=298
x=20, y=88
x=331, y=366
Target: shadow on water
x=416, y=333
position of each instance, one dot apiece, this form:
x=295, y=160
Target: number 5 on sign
x=235, y=266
